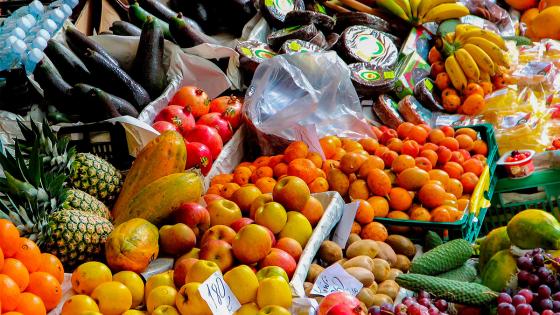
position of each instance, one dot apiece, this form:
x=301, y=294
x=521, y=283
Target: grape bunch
x=533, y=270
x=422, y=304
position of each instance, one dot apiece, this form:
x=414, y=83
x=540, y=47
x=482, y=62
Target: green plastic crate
x=469, y=226
x=542, y=190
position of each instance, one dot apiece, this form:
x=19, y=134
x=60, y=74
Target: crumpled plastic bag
x=294, y=92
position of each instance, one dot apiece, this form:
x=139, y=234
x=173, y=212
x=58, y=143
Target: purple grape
x=374, y=310
x=538, y=251
x=407, y=301
x=538, y=260
x=556, y=306
x=423, y=294
x=527, y=294
x=523, y=309
x=506, y=309
x=543, y=272
x=523, y=277
x=546, y=304
x=544, y=291
x=518, y=299
x=442, y=305
x=533, y=280
x=503, y=298
x=525, y=263
x=424, y=302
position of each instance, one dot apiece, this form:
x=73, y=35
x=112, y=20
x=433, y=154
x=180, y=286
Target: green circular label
x=368, y=47
x=264, y=54
x=369, y=75
x=284, y=6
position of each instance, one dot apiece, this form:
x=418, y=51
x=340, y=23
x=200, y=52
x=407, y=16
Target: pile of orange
x=29, y=280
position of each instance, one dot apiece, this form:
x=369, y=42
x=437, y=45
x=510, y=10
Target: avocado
x=321, y=21
x=305, y=32
x=275, y=11
x=68, y=64
x=298, y=46
x=123, y=28
x=365, y=44
x=185, y=35
x=80, y=43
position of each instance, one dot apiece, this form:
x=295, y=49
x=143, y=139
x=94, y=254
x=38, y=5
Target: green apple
x=272, y=271
x=297, y=227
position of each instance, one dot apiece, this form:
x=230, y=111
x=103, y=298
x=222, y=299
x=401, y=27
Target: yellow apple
x=112, y=297
x=248, y=309
x=193, y=253
x=273, y=310
x=274, y=291
x=243, y=283
x=89, y=275
x=251, y=244
x=257, y=203
x=201, y=270
x=165, y=310
x=134, y=283
x=271, y=271
x=223, y=212
x=164, y=278
x=189, y=301
x=292, y=192
x=162, y=295
x=78, y=304
x=272, y=215
x=297, y=227
x=134, y=312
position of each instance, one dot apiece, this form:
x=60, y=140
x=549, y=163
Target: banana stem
x=358, y=6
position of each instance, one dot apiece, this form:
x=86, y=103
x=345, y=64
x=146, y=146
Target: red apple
x=280, y=258
x=162, y=126
x=337, y=298
x=216, y=121
x=239, y=223
x=193, y=215
x=233, y=114
x=290, y=246
x=218, y=232
x=219, y=104
x=343, y=309
x=208, y=198
x=199, y=156
x=219, y=252
x=251, y=244
x=272, y=237
x=207, y=136
x=175, y=115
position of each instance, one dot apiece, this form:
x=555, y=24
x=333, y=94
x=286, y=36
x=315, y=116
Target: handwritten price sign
x=218, y=295
x=334, y=279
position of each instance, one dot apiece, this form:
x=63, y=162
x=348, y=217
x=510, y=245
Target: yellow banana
x=481, y=58
x=445, y=11
x=493, y=51
x=427, y=5
x=449, y=37
x=484, y=76
x=461, y=29
x=453, y=69
x=405, y=5
x=486, y=34
x=393, y=7
x=468, y=64
x=414, y=7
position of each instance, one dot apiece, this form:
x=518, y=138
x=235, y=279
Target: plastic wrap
x=493, y=13
x=299, y=90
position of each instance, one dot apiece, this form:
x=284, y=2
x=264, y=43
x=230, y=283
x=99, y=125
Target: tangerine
x=302, y=168
x=242, y=175
x=274, y=160
x=379, y=182
x=10, y=293
x=365, y=213
x=399, y=199
x=374, y=231
x=313, y=210
x=473, y=88
x=16, y=270
x=229, y=189
x=318, y=185
x=9, y=236
x=454, y=169
x=221, y=179
x=380, y=206
x=370, y=163
x=261, y=161
x=265, y=184
x=469, y=181
x=29, y=303
x=46, y=287
x=442, y=81
x=52, y=265
x=215, y=189
x=295, y=150
x=432, y=195
x=280, y=169
x=402, y=162
x=29, y=254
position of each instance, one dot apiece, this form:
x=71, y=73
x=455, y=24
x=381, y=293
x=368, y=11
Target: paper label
x=344, y=226
x=335, y=279
x=218, y=295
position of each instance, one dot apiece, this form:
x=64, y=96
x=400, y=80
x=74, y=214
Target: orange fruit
x=380, y=206
x=229, y=189
x=369, y=144
x=455, y=170
x=358, y=190
x=381, y=150
x=413, y=178
x=487, y=87
x=480, y=147
x=395, y=144
x=302, y=168
x=374, y=231
x=10, y=293
x=356, y=228
x=451, y=103
x=338, y=181
x=29, y=303
x=1, y=259
x=418, y=134
x=522, y=5
x=437, y=68
x=313, y=210
x=241, y=175
x=447, y=92
x=369, y=164
x=315, y=158
x=403, y=130
x=216, y=189
x=262, y=171
x=265, y=184
x=420, y=214
x=434, y=55
x=389, y=156
x=467, y=131
x=436, y=135
x=402, y=162
x=474, y=166
x=9, y=236
x=465, y=142
x=351, y=145
x=221, y=179
x=450, y=143
x=52, y=265
x=455, y=187
x=399, y=199
x=365, y=213
x=398, y=215
x=351, y=162
x=410, y=147
x=474, y=104
x=261, y=161
x=319, y=184
x=46, y=287
x=457, y=157
x=274, y=160
x=448, y=131
x=423, y=163
x=329, y=164
x=432, y=195
x=280, y=169
x=431, y=155
x=16, y=270
x=441, y=214
x=440, y=176
x=329, y=146
x=379, y=182
x=469, y=181
x=444, y=154
x=442, y=81
x=296, y=150
x=473, y=88
x=29, y=254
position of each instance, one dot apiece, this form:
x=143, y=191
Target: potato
x=341, y=262
x=380, y=299
x=403, y=263
x=389, y=288
x=314, y=271
x=359, y=261
x=308, y=286
x=387, y=253
x=366, y=296
x=381, y=269
x=329, y=252
x=394, y=273
x=353, y=238
x=363, y=275
x=401, y=245
x=373, y=287
x=362, y=247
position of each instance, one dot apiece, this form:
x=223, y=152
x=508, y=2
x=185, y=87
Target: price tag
x=334, y=279
x=218, y=295
x=344, y=226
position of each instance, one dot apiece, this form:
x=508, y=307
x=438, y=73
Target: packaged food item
x=365, y=44
x=298, y=46
x=251, y=54
x=320, y=20
x=518, y=164
x=274, y=12
x=332, y=39
x=387, y=110
x=413, y=112
x=417, y=41
x=426, y=92
x=412, y=70
x=347, y=19
x=303, y=32
x=371, y=80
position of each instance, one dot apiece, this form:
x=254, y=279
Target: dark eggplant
x=80, y=44
x=68, y=64
x=125, y=29
x=55, y=88
x=164, y=13
x=185, y=35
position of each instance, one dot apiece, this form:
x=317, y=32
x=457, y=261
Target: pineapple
x=79, y=200
x=86, y=171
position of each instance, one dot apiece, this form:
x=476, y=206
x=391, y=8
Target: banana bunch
x=423, y=11
x=474, y=55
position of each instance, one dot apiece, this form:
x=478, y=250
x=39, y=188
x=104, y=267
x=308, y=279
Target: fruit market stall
x=348, y=157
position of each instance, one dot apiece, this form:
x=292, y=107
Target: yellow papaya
x=534, y=229
x=499, y=271
x=494, y=242
x=132, y=245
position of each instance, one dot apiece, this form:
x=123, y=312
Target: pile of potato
x=375, y=264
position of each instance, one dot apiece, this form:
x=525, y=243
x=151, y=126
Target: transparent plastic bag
x=292, y=91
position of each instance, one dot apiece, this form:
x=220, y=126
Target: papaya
x=499, y=270
x=534, y=229
x=494, y=242
x=162, y=156
x=132, y=245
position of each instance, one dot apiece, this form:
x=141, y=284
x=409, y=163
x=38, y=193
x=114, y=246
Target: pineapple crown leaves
x=30, y=219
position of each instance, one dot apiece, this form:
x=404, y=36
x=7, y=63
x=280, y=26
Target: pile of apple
x=206, y=125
